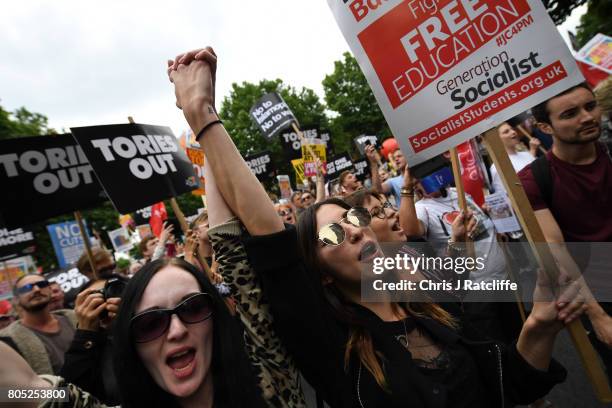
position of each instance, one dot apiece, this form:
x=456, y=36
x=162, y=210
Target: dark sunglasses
x=107, y=270
x=30, y=286
x=379, y=211
x=307, y=197
x=149, y=325
x=334, y=234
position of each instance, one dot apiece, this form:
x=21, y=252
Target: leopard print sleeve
x=278, y=378
x=76, y=397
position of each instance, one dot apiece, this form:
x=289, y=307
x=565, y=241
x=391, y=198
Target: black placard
x=362, y=141
x=138, y=165
x=43, y=177
x=292, y=147
x=362, y=169
x=261, y=165
x=271, y=114
x=337, y=165
x=15, y=242
x=142, y=215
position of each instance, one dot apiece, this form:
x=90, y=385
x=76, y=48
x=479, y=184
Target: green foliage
x=304, y=104
x=596, y=20
x=348, y=94
x=559, y=10
x=21, y=123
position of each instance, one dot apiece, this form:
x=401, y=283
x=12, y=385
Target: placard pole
x=528, y=136
x=545, y=258
x=86, y=243
x=454, y=156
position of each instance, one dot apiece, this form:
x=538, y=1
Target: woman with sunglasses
x=176, y=345
x=355, y=353
x=286, y=213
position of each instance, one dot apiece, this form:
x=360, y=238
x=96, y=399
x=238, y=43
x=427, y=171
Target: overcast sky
x=85, y=63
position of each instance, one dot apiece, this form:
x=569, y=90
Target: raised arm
x=320, y=183
x=377, y=185
x=409, y=221
x=193, y=75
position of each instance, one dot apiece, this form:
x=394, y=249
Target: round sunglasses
x=149, y=325
x=334, y=234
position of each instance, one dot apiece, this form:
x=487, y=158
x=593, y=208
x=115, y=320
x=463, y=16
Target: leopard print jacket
x=274, y=369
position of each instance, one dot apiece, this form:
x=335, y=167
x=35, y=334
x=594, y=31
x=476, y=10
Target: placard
x=137, y=164
x=121, y=239
x=445, y=71
x=142, y=215
x=292, y=146
x=298, y=167
x=71, y=281
x=285, y=186
x=598, y=53
x=196, y=156
x=500, y=211
x=363, y=140
x=67, y=242
x=362, y=169
x=261, y=165
x=16, y=242
x=43, y=177
x=338, y=164
x=316, y=147
x=271, y=114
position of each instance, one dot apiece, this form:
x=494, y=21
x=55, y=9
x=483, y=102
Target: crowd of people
x=263, y=295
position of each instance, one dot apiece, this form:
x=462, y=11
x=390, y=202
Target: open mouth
x=182, y=362
x=396, y=226
x=368, y=251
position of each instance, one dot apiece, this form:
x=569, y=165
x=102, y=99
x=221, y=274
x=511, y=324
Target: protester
x=176, y=344
x=570, y=190
x=296, y=200
x=392, y=185
x=40, y=336
x=333, y=338
x=286, y=213
x=200, y=227
x=307, y=199
x=57, y=297
x=88, y=361
x=152, y=248
x=519, y=159
x=349, y=182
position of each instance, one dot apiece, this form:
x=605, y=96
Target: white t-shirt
x=519, y=160
x=436, y=216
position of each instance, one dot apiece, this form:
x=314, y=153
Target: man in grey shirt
x=40, y=336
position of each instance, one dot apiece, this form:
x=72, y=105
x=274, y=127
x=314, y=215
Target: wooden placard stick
x=454, y=156
x=545, y=258
x=528, y=136
x=86, y=243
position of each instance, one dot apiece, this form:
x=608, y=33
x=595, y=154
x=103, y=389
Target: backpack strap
x=540, y=168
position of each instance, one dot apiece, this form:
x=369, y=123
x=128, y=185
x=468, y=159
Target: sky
x=85, y=63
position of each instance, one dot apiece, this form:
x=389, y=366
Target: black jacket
x=317, y=341
x=88, y=364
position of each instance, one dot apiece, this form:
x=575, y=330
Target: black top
x=317, y=340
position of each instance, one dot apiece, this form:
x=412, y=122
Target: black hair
x=233, y=380
x=540, y=112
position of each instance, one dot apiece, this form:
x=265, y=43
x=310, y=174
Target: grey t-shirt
x=57, y=343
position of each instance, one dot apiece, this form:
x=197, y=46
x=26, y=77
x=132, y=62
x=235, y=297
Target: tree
x=21, y=123
x=348, y=94
x=595, y=20
x=304, y=104
x=559, y=10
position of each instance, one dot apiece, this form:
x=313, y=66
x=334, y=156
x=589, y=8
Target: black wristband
x=206, y=127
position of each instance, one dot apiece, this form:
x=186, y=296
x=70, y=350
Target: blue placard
x=437, y=180
x=67, y=242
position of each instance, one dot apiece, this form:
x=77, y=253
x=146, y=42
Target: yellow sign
x=197, y=159
x=298, y=166
x=316, y=149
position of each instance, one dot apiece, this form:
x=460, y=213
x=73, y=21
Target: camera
x=113, y=288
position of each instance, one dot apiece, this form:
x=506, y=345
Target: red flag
x=471, y=173
x=158, y=216
x=593, y=75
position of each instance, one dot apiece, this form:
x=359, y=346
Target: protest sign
x=143, y=231
x=15, y=243
x=10, y=271
x=285, y=186
x=292, y=145
x=271, y=114
x=315, y=148
x=67, y=242
x=71, y=281
x=501, y=213
x=44, y=176
x=261, y=165
x=598, y=53
x=196, y=156
x=137, y=164
x=142, y=215
x=444, y=71
x=337, y=165
x=158, y=216
x=298, y=167
x=362, y=169
x=121, y=239
x=471, y=173
x=362, y=141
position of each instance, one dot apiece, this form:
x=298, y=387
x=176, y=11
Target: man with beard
x=570, y=190
x=41, y=337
